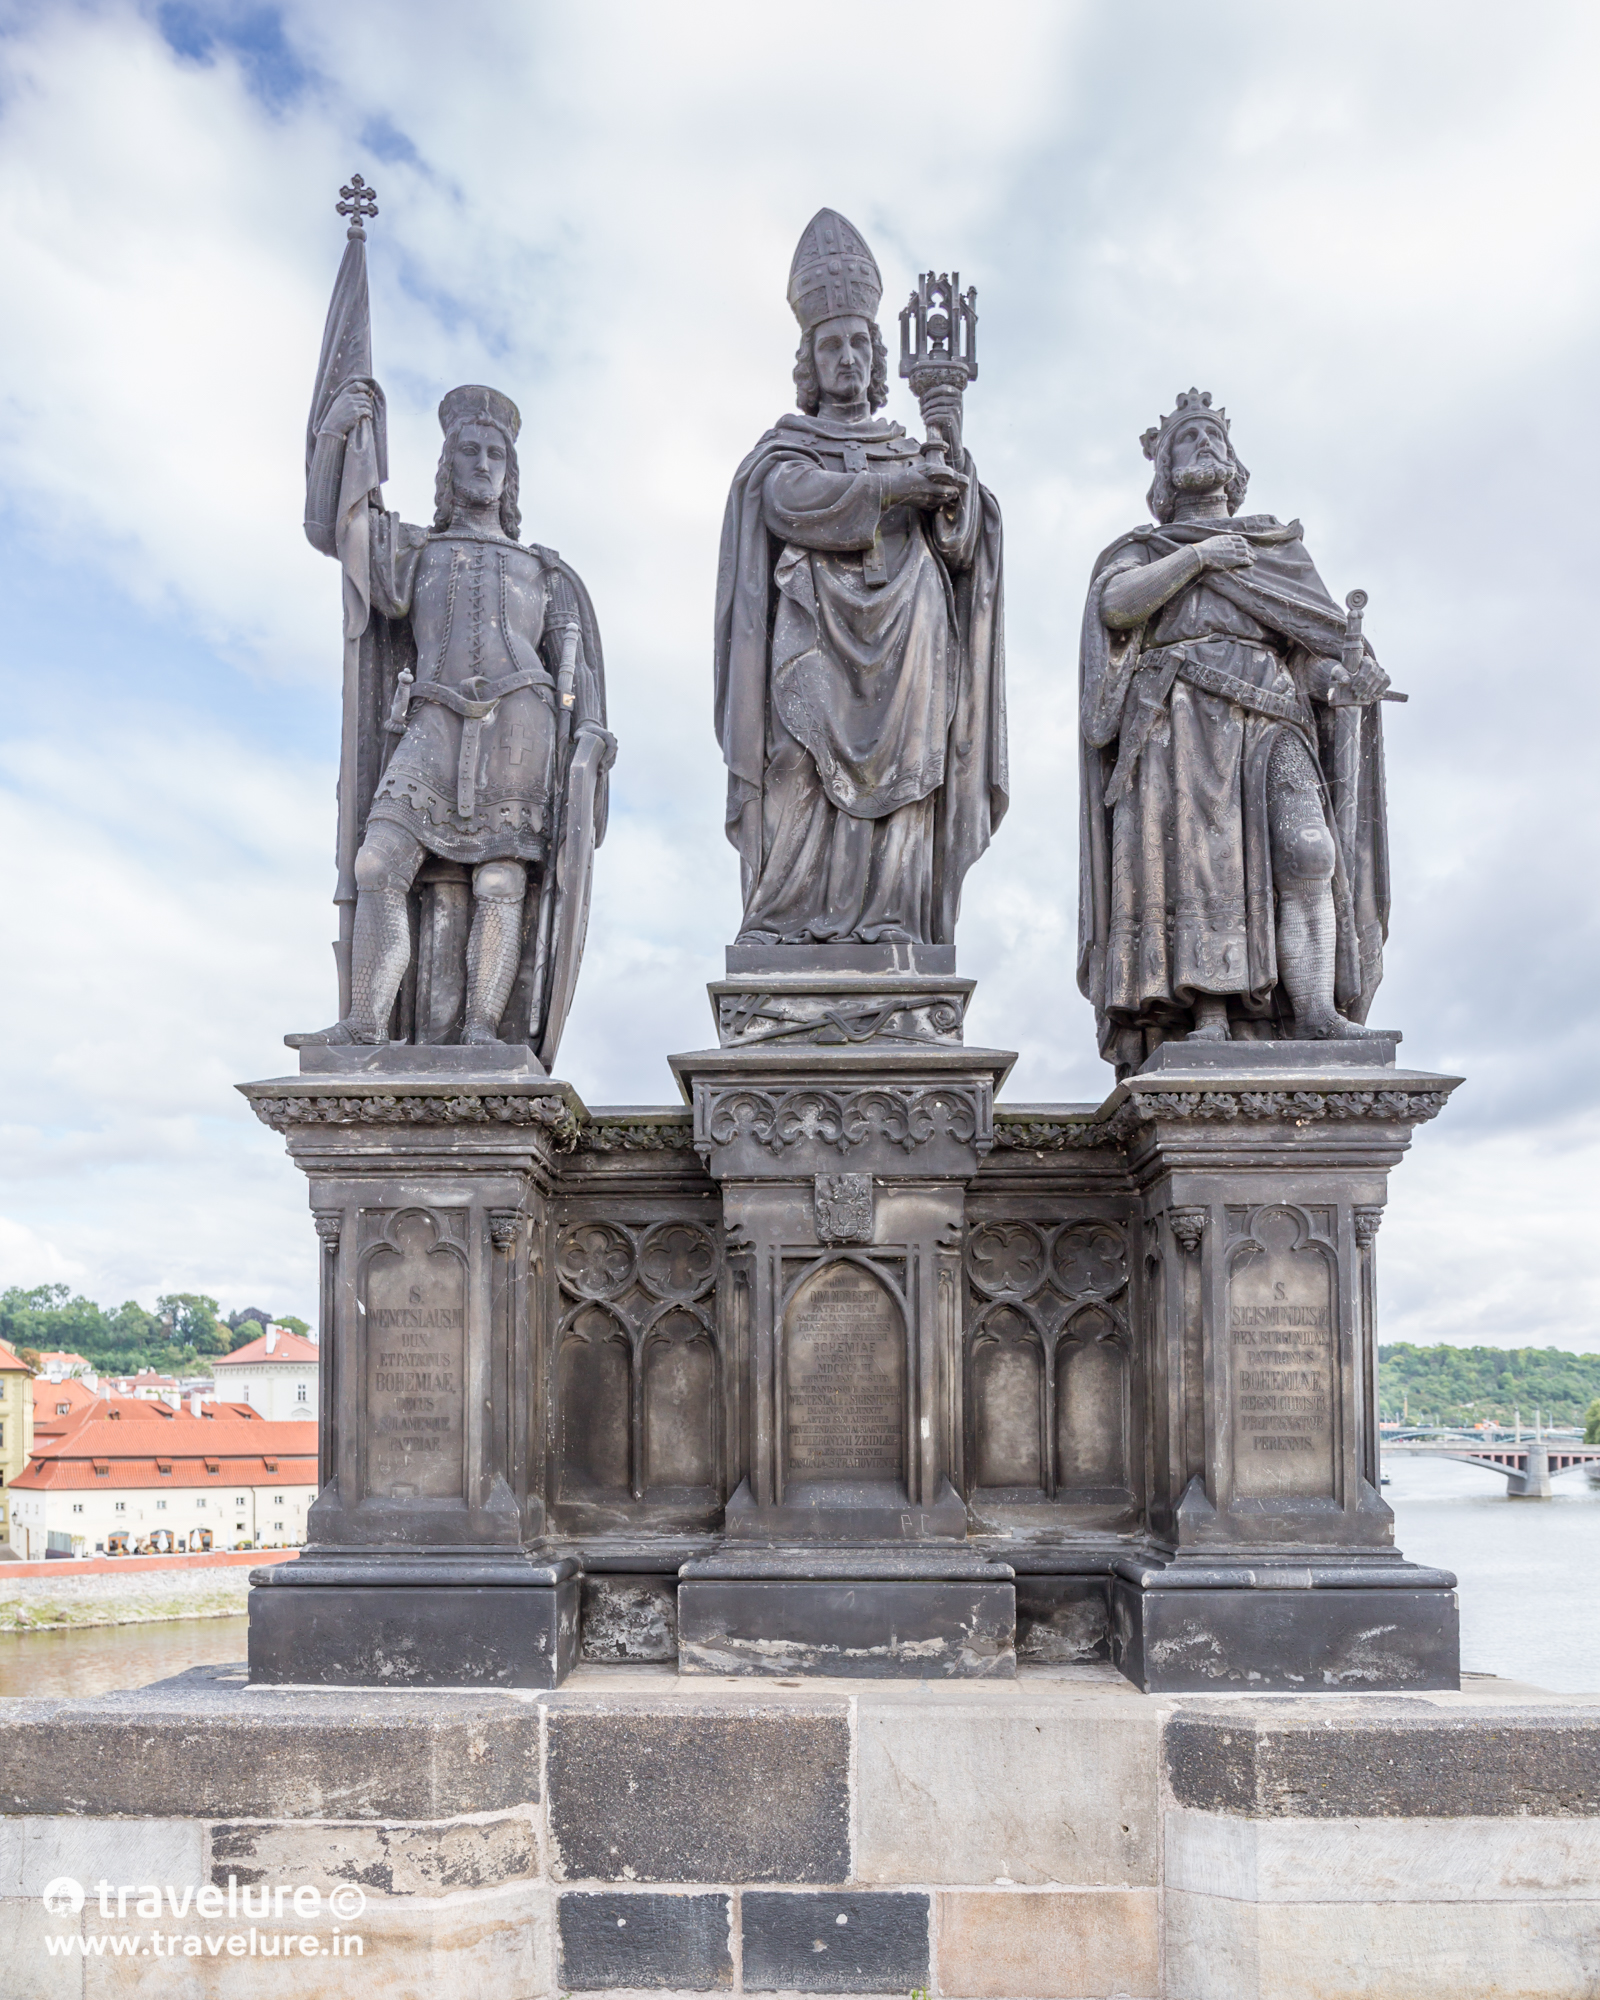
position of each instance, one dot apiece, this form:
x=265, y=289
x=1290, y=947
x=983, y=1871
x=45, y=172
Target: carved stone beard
x=1209, y=476
x=471, y=510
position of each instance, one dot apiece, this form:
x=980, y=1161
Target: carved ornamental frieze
x=840, y=1020
x=843, y=1119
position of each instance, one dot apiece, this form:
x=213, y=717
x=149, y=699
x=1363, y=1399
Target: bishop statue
x=860, y=654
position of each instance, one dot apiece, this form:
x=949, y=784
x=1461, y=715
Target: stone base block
x=1219, y=1949
x=1010, y=1944
x=1374, y=1050
x=629, y=1618
x=1288, y=1637
x=414, y=1635
x=852, y=1513
x=871, y=1619
x=1063, y=1620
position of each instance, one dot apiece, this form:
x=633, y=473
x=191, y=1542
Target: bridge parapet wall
x=1058, y=1833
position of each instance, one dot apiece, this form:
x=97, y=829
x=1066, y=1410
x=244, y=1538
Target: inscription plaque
x=846, y=1378
x=416, y=1324
x=1281, y=1335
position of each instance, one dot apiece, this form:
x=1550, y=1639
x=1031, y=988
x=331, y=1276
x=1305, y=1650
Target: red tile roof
x=9, y=1359
x=84, y=1404
x=232, y=1450
x=289, y=1347
x=79, y=1475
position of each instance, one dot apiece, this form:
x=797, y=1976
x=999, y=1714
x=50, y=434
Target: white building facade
x=275, y=1374
x=151, y=1487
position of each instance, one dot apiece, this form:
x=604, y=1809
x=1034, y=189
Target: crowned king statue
x=860, y=654
x=1233, y=851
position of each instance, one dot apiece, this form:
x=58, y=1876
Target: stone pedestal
x=430, y=1172
x=843, y=1121
x=859, y=1613
x=1262, y=1173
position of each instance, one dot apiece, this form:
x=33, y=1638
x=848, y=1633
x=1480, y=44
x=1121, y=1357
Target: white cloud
x=1370, y=230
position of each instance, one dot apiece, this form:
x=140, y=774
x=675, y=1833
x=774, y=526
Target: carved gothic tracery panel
x=1048, y=1359
x=638, y=1369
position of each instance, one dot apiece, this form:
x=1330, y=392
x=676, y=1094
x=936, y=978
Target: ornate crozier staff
x=939, y=357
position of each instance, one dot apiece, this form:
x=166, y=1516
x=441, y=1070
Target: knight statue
x=1234, y=875
x=860, y=655
x=473, y=782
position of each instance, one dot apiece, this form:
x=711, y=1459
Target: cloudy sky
x=1370, y=230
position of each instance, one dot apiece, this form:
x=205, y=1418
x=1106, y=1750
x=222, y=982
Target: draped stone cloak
x=860, y=688
x=1178, y=720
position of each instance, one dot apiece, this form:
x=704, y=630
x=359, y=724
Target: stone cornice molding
x=549, y=1114
x=666, y=1135
x=1117, y=1123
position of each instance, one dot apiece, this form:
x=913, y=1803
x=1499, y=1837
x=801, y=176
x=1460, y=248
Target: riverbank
x=66, y=1598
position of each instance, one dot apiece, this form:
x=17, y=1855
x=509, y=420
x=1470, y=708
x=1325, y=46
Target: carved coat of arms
x=844, y=1208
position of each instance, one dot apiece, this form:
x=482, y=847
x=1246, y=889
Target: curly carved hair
x=444, y=492
x=808, y=390
x=1162, y=498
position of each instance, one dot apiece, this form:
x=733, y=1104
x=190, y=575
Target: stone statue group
x=1233, y=875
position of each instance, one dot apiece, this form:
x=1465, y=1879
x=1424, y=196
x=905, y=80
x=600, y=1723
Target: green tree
x=1461, y=1385
x=192, y=1320
x=1591, y=1423
x=294, y=1325
x=135, y=1327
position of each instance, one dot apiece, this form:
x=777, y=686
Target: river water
x=95, y=1658
x=1529, y=1570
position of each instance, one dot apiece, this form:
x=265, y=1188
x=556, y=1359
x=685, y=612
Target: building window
x=122, y=1506
x=300, y=1391
x=200, y=1502
x=238, y=1499
x=277, y=1499
x=161, y=1506
x=279, y=1526
x=77, y=1506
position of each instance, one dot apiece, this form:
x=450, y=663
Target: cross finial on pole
x=359, y=201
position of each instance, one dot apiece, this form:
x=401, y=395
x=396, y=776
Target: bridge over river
x=1527, y=1463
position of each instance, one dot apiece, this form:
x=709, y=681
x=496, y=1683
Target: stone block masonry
x=1059, y=1835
